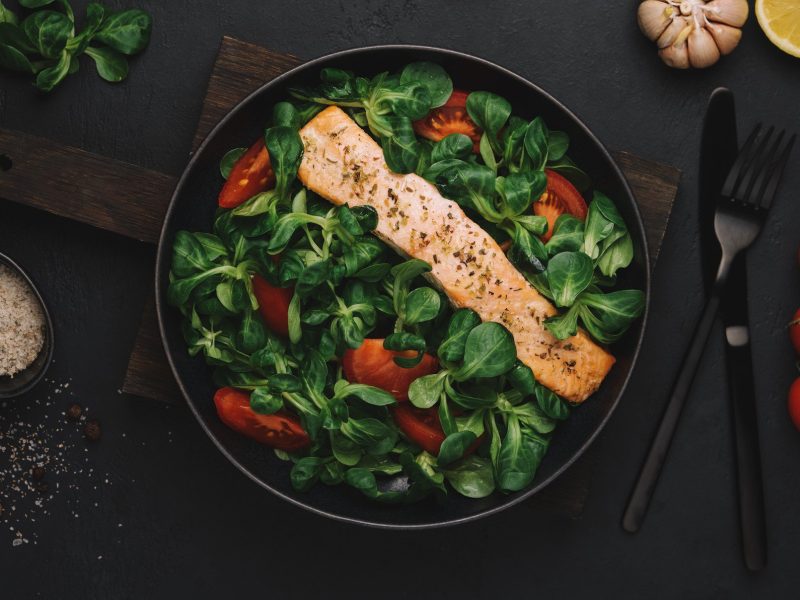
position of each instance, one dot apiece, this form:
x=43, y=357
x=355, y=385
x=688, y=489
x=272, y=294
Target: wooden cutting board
x=131, y=201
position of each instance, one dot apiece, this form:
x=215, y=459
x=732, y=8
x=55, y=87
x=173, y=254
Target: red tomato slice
x=372, y=364
x=794, y=332
x=273, y=304
x=280, y=430
x=251, y=174
x=794, y=403
x=449, y=118
x=421, y=426
x=560, y=197
x=457, y=99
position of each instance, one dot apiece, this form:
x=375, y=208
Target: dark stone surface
x=191, y=525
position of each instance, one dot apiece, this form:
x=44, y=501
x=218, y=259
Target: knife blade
x=718, y=151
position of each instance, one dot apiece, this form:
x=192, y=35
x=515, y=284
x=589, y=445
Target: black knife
x=718, y=150
x=717, y=153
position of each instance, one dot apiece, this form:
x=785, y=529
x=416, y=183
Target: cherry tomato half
x=273, y=304
x=449, y=118
x=280, y=430
x=251, y=174
x=794, y=332
x=421, y=426
x=559, y=198
x=372, y=364
x=794, y=403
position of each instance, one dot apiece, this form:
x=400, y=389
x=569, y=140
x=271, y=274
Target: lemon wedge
x=780, y=20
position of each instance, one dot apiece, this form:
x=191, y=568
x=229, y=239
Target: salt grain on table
x=35, y=453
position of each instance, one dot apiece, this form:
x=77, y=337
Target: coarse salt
x=22, y=324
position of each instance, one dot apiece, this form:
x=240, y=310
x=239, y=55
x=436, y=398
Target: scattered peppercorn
x=41, y=487
x=74, y=412
x=92, y=430
x=37, y=473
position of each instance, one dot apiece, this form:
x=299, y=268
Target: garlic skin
x=726, y=37
x=693, y=32
x=729, y=12
x=676, y=57
x=654, y=17
x=671, y=33
x=703, y=50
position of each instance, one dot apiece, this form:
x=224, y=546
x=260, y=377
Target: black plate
x=193, y=206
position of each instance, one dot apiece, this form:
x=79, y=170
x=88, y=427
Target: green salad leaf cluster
x=496, y=420
x=584, y=261
x=48, y=44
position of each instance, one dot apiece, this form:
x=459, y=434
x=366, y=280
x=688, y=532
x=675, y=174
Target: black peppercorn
x=37, y=473
x=92, y=430
x=74, y=412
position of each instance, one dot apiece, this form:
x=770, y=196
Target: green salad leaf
x=433, y=77
x=47, y=44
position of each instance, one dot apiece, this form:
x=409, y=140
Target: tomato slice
x=794, y=403
x=251, y=174
x=421, y=426
x=280, y=430
x=273, y=304
x=794, y=332
x=457, y=99
x=450, y=118
x=372, y=364
x=559, y=198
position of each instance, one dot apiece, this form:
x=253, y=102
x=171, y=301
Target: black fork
x=749, y=191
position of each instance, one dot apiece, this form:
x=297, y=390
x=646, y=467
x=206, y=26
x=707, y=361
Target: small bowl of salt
x=26, y=331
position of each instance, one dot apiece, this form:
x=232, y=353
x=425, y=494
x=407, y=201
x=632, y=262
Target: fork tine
x=775, y=174
x=759, y=175
x=755, y=194
x=756, y=161
x=736, y=169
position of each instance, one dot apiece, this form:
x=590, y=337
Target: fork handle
x=651, y=469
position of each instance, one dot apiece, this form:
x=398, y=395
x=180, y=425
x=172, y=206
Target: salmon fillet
x=343, y=164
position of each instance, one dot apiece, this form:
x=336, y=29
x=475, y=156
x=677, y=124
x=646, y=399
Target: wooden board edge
x=644, y=175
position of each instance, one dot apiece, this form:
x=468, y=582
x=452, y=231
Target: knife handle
x=748, y=456
x=645, y=485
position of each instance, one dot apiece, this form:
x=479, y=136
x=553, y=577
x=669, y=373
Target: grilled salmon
x=343, y=164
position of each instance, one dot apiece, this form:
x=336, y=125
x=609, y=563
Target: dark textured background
x=194, y=526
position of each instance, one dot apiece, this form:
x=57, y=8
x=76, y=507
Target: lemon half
x=780, y=20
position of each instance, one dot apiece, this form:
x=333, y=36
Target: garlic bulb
x=693, y=32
